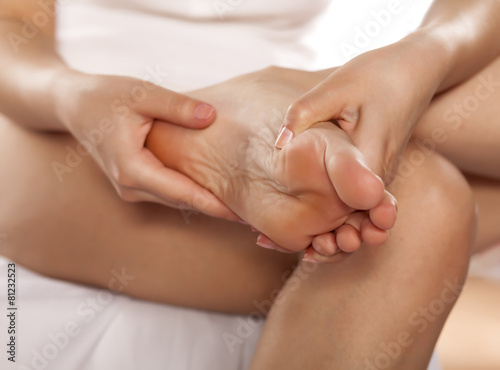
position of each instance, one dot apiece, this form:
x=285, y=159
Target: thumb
x=177, y=108
x=320, y=104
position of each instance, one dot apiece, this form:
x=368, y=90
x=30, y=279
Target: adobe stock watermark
x=424, y=149
x=85, y=313
x=364, y=35
x=32, y=26
x=250, y=324
x=420, y=320
x=91, y=139
x=75, y=156
x=223, y=7
x=483, y=91
x=455, y=115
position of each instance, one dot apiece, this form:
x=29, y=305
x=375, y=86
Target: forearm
x=30, y=69
x=463, y=37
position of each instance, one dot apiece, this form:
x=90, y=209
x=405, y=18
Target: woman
x=370, y=270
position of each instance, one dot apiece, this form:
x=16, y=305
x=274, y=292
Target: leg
x=393, y=299
x=487, y=194
x=470, y=337
x=463, y=123
x=475, y=322
x=79, y=230
x=282, y=193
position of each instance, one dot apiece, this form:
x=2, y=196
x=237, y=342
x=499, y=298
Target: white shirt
x=183, y=45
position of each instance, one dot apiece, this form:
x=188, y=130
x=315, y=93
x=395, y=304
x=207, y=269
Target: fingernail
x=284, y=137
x=254, y=229
x=203, y=111
x=243, y=222
x=263, y=242
x=307, y=258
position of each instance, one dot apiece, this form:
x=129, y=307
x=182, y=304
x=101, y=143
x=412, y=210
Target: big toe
x=356, y=185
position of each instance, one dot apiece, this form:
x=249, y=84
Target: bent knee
x=441, y=185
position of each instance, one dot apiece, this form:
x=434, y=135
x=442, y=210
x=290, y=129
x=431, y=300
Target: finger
x=176, y=108
x=264, y=242
x=325, y=244
x=320, y=104
x=311, y=255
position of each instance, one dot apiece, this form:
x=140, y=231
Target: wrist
x=430, y=55
x=64, y=95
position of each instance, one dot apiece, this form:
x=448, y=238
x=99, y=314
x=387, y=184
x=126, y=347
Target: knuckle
x=300, y=112
x=179, y=105
x=127, y=194
x=123, y=180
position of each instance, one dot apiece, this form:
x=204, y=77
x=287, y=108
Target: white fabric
x=193, y=43
x=181, y=45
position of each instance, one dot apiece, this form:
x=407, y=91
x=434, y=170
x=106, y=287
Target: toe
x=384, y=214
x=348, y=238
x=372, y=235
x=325, y=244
x=356, y=185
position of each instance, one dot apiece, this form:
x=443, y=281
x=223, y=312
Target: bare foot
x=309, y=188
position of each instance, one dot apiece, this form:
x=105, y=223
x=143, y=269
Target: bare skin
x=155, y=245
x=168, y=245
x=88, y=201
x=308, y=189
x=473, y=323
x=304, y=342
x=86, y=195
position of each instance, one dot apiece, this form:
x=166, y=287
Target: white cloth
x=193, y=43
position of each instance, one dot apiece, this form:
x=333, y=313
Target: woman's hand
x=111, y=116
x=376, y=99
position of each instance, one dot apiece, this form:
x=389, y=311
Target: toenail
x=284, y=137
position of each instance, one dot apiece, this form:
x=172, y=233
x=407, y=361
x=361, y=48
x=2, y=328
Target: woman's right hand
x=111, y=116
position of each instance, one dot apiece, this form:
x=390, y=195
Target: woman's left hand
x=376, y=99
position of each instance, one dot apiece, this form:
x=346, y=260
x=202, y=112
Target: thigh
x=463, y=123
x=62, y=218
x=487, y=195
x=382, y=307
